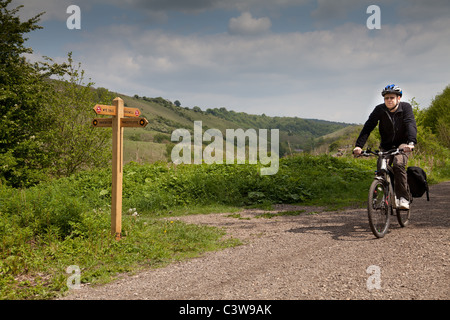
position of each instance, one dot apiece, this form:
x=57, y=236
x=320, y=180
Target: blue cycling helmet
x=392, y=88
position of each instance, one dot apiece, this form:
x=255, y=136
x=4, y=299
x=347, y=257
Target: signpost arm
x=117, y=167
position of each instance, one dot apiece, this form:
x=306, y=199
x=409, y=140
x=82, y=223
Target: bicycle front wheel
x=378, y=208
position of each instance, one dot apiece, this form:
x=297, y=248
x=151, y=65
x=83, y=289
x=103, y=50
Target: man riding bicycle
x=398, y=129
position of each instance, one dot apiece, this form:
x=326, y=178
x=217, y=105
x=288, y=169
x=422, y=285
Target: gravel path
x=315, y=255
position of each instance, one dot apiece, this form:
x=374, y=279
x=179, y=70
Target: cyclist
x=398, y=129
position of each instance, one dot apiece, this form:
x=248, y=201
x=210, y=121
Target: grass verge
x=35, y=267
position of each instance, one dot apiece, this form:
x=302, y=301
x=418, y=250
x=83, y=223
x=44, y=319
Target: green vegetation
x=433, y=137
x=48, y=227
x=301, y=130
x=165, y=117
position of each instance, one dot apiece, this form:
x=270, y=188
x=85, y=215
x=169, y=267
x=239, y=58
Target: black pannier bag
x=417, y=181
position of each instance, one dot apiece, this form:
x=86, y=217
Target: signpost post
x=117, y=123
x=117, y=166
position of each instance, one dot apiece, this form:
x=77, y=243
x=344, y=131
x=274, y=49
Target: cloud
x=334, y=74
x=196, y=6
x=423, y=10
x=400, y=11
x=54, y=9
x=329, y=9
x=329, y=74
x=191, y=6
x=326, y=10
x=245, y=24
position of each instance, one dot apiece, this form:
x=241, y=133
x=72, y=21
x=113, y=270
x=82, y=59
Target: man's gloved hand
x=408, y=148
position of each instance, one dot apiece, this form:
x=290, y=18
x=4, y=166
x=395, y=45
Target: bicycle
x=382, y=200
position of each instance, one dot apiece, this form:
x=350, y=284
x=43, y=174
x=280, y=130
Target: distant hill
x=152, y=143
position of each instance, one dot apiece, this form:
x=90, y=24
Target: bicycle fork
x=389, y=198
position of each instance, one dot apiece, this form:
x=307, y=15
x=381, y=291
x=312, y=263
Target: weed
x=237, y=216
x=269, y=215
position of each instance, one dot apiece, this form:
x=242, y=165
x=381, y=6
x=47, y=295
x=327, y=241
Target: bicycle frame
x=384, y=172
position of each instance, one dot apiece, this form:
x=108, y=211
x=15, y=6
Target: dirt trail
x=316, y=255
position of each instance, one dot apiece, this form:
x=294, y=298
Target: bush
x=161, y=137
x=159, y=187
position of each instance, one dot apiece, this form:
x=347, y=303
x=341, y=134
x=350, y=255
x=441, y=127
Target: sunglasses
x=389, y=98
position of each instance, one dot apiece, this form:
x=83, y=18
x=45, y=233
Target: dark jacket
x=395, y=128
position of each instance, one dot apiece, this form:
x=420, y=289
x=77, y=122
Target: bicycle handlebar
x=392, y=152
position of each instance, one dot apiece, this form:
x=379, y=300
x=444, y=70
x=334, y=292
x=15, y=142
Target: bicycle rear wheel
x=403, y=217
x=378, y=209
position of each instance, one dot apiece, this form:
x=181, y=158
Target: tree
x=44, y=124
x=21, y=95
x=437, y=116
x=177, y=103
x=71, y=142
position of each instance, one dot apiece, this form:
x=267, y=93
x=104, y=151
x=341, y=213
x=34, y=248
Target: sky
x=300, y=58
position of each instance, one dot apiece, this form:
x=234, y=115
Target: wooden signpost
x=117, y=123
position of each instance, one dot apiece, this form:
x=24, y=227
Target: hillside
x=152, y=143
